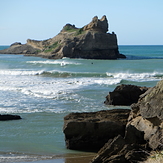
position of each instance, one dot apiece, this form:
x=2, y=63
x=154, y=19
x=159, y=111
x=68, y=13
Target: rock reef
x=125, y=95
x=90, y=42
x=142, y=127
x=8, y=117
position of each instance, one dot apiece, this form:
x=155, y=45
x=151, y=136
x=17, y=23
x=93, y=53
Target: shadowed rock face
x=125, y=95
x=90, y=131
x=89, y=42
x=8, y=117
x=142, y=133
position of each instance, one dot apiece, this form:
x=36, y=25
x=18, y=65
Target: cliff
x=91, y=42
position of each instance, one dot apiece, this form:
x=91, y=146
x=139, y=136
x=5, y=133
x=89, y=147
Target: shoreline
x=66, y=158
x=80, y=159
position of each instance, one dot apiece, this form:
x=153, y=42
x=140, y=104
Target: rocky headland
x=120, y=135
x=90, y=42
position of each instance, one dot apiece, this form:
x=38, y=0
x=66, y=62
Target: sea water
x=43, y=91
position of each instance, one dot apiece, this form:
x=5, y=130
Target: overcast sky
x=136, y=22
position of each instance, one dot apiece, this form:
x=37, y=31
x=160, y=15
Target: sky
x=135, y=22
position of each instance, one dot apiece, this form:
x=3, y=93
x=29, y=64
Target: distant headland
x=90, y=42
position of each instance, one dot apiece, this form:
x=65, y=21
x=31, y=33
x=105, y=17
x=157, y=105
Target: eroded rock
x=91, y=130
x=100, y=25
x=118, y=150
x=146, y=116
x=125, y=95
x=89, y=42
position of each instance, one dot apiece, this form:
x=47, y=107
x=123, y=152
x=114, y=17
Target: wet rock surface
x=7, y=117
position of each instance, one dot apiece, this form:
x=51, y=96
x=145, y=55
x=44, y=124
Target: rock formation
x=147, y=117
x=90, y=42
x=125, y=95
x=100, y=25
x=7, y=117
x=91, y=130
x=142, y=134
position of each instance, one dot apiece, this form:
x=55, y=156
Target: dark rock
x=90, y=131
x=125, y=95
x=110, y=149
x=89, y=42
x=147, y=117
x=133, y=135
x=118, y=150
x=9, y=117
x=15, y=44
x=152, y=104
x=143, y=132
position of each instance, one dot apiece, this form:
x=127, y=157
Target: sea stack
x=92, y=41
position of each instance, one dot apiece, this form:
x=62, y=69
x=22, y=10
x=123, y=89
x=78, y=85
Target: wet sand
x=67, y=159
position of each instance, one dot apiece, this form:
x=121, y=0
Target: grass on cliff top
x=51, y=47
x=77, y=31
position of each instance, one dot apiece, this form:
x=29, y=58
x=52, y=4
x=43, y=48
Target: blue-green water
x=43, y=91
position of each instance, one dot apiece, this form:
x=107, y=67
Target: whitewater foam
x=20, y=72
x=136, y=76
x=56, y=62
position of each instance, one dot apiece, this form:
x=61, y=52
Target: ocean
x=43, y=91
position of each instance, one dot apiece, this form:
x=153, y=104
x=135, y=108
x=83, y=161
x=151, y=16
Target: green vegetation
x=77, y=31
x=69, y=29
x=51, y=47
x=38, y=51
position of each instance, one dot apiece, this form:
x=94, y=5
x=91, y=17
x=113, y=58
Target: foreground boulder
x=90, y=42
x=129, y=142
x=125, y=95
x=144, y=131
x=147, y=116
x=91, y=130
x=8, y=117
x=117, y=150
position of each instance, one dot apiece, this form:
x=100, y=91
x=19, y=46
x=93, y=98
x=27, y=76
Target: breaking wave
x=136, y=76
x=63, y=74
x=55, y=62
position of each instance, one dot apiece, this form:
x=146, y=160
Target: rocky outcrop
x=147, y=116
x=18, y=48
x=125, y=95
x=90, y=42
x=100, y=25
x=142, y=133
x=7, y=117
x=117, y=150
x=91, y=130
